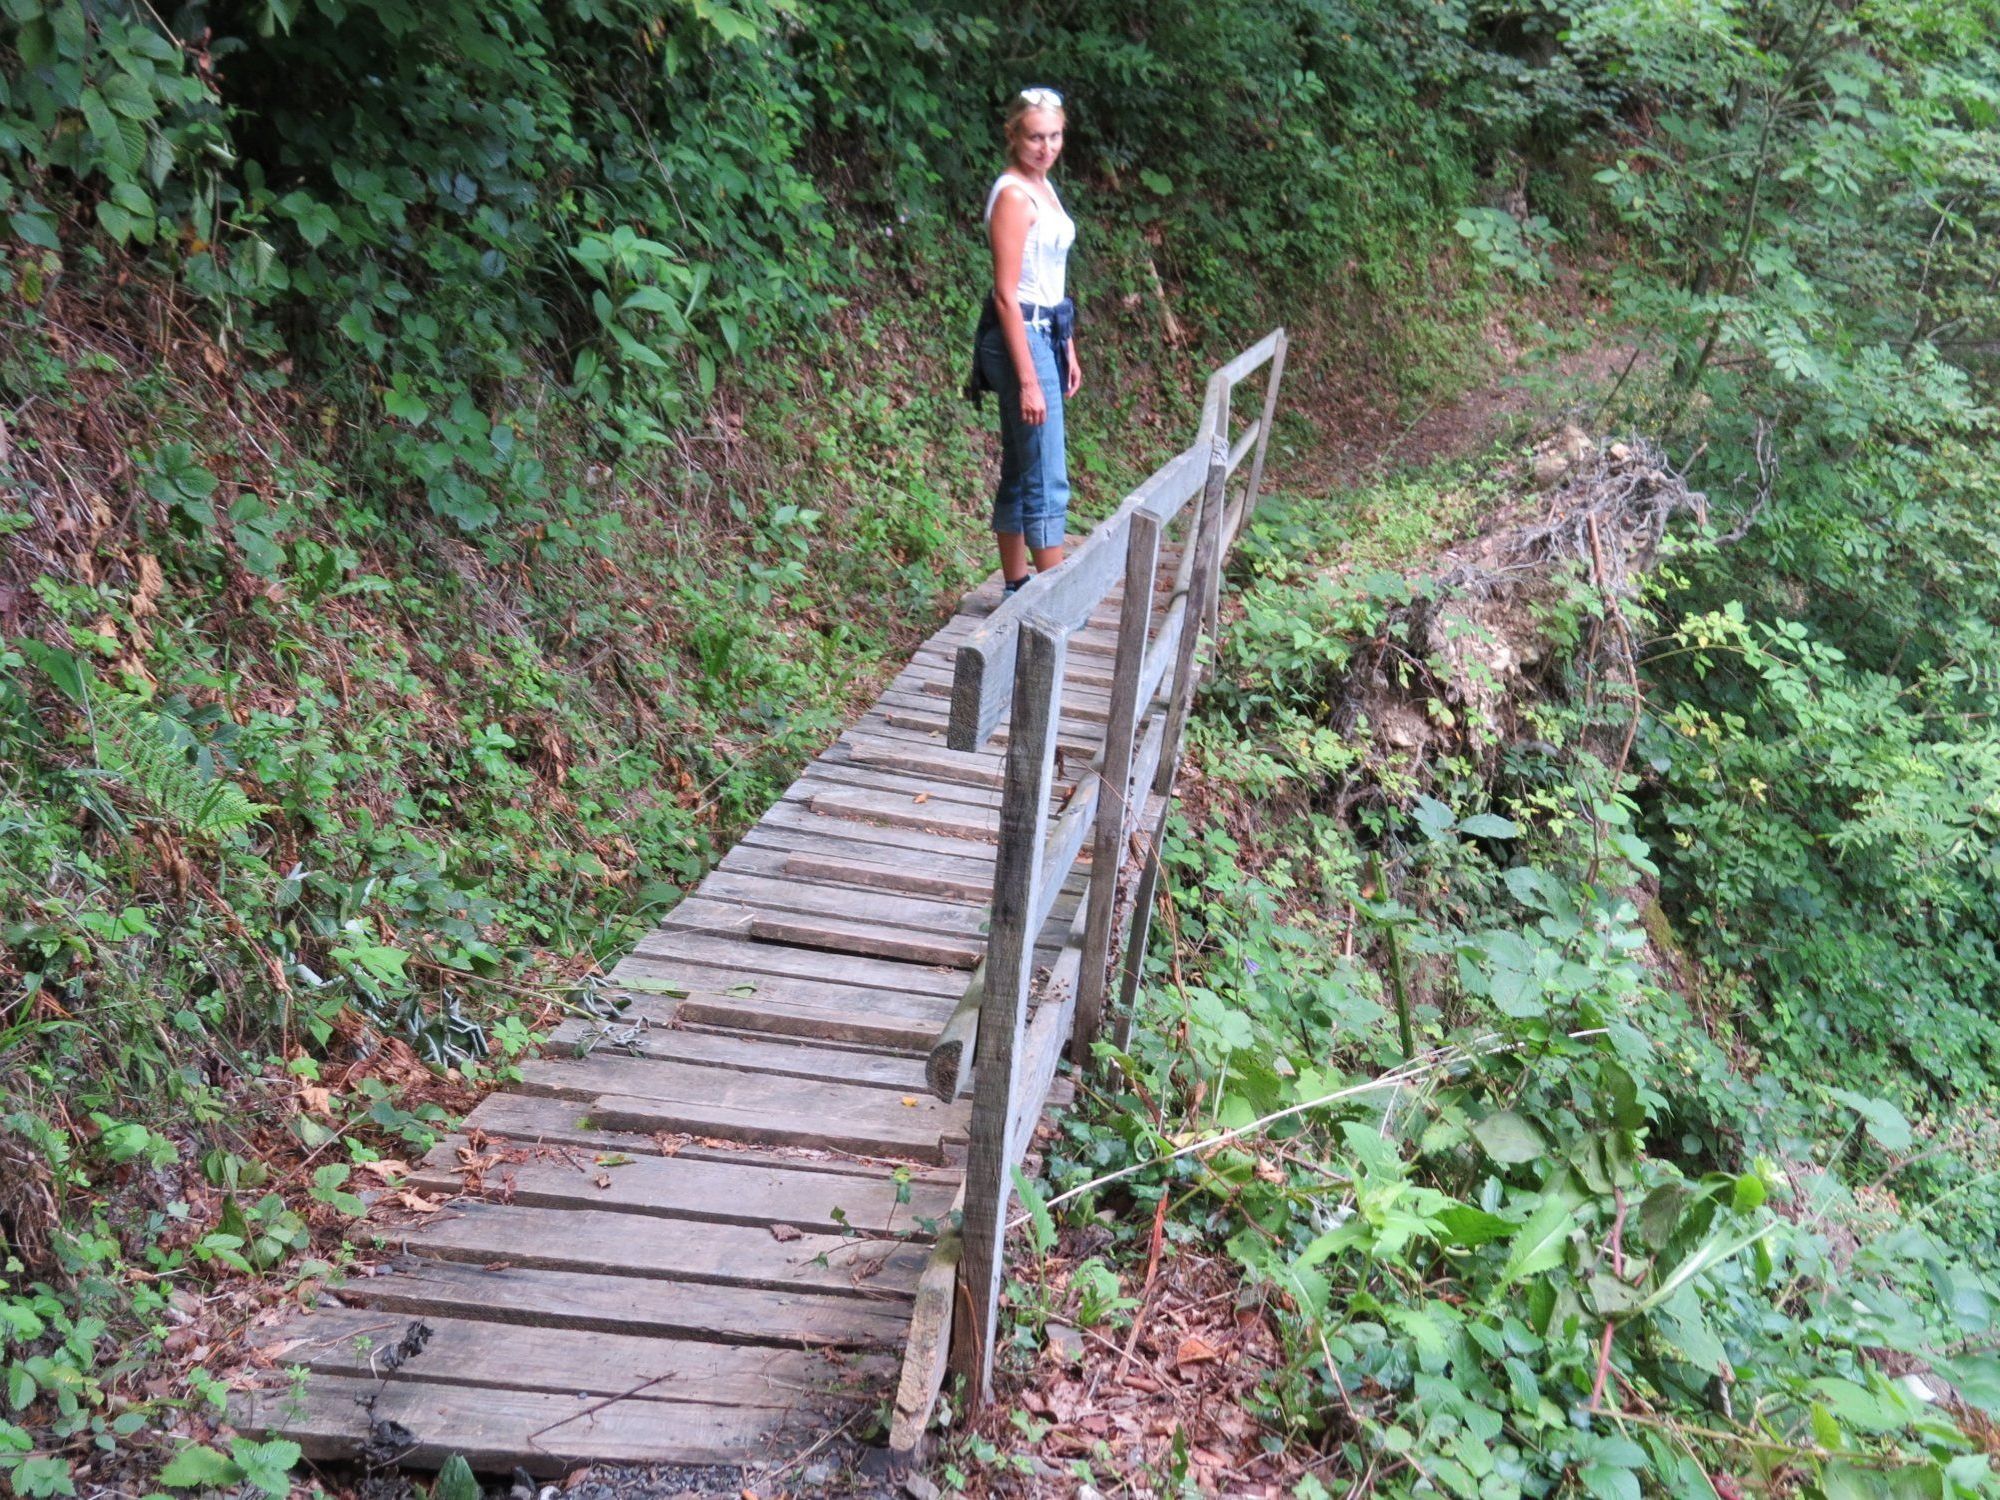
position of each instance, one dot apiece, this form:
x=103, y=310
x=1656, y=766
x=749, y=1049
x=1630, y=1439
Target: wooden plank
x=784, y=994
x=763, y=1122
x=781, y=1018
x=1163, y=652
x=886, y=877
x=545, y=1433
x=1133, y=965
x=771, y=958
x=941, y=764
x=562, y=1126
x=928, y=1345
x=948, y=1065
x=725, y=918
x=1047, y=1034
x=676, y=1187
x=579, y=1038
x=923, y=850
x=891, y=810
x=1169, y=487
x=632, y=1245
x=755, y=876
x=1112, y=813
x=841, y=1105
x=837, y=769
x=1206, y=564
x=879, y=941
x=1030, y=765
x=1215, y=407
x=352, y=1341
x=607, y=1071
x=1265, y=427
x=1065, y=843
x=629, y=1305
x=1242, y=444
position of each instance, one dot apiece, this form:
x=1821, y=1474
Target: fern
x=137, y=748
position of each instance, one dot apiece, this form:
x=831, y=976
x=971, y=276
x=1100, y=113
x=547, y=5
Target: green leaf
x=21, y=1387
x=1158, y=183
x=455, y=1481
x=1538, y=1244
x=1490, y=826
x=199, y=1468
x=405, y=407
x=1042, y=1227
x=42, y=1477
x=1509, y=1137
x=1858, y=1407
x=36, y=229
x=1841, y=1480
x=1469, y=1227
x=1884, y=1122
x=1748, y=1194
x=268, y=1466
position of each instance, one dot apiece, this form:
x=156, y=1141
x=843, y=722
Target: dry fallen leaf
x=1194, y=1349
x=909, y=1101
x=602, y=1179
x=418, y=1202
x=316, y=1099
x=785, y=1232
x=921, y=797
x=386, y=1170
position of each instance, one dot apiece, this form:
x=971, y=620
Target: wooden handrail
x=1012, y=667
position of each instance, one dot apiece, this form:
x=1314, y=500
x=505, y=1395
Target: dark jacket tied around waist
x=1062, y=324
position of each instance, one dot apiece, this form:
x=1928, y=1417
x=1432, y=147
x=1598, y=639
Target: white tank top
x=1045, y=255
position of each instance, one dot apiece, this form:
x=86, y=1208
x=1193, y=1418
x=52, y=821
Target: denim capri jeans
x=1033, y=497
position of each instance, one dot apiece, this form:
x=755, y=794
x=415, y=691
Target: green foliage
x=1496, y=1271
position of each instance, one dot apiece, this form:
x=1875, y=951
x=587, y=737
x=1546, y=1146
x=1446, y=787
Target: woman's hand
x=1074, y=382
x=1034, y=405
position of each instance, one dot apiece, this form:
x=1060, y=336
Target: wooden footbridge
x=766, y=1193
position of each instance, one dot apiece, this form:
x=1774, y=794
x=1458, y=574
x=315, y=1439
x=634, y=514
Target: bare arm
x=1007, y=229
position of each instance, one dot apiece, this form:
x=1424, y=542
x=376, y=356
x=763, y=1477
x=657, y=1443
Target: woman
x=1024, y=347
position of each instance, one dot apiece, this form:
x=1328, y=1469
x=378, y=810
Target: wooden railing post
x=1115, y=815
x=1276, y=373
x=1017, y=876
x=1206, y=541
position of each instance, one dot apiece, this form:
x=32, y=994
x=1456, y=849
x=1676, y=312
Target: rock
x=919, y=1488
x=817, y=1475
x=1065, y=1343
x=1559, y=455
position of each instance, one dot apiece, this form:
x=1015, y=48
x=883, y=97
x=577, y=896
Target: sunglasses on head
x=1041, y=98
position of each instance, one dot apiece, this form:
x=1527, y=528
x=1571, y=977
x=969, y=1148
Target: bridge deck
x=693, y=1232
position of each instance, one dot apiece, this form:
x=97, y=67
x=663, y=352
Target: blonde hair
x=1026, y=102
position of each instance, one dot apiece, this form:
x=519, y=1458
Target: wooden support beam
x=1142, y=556
x=1009, y=961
